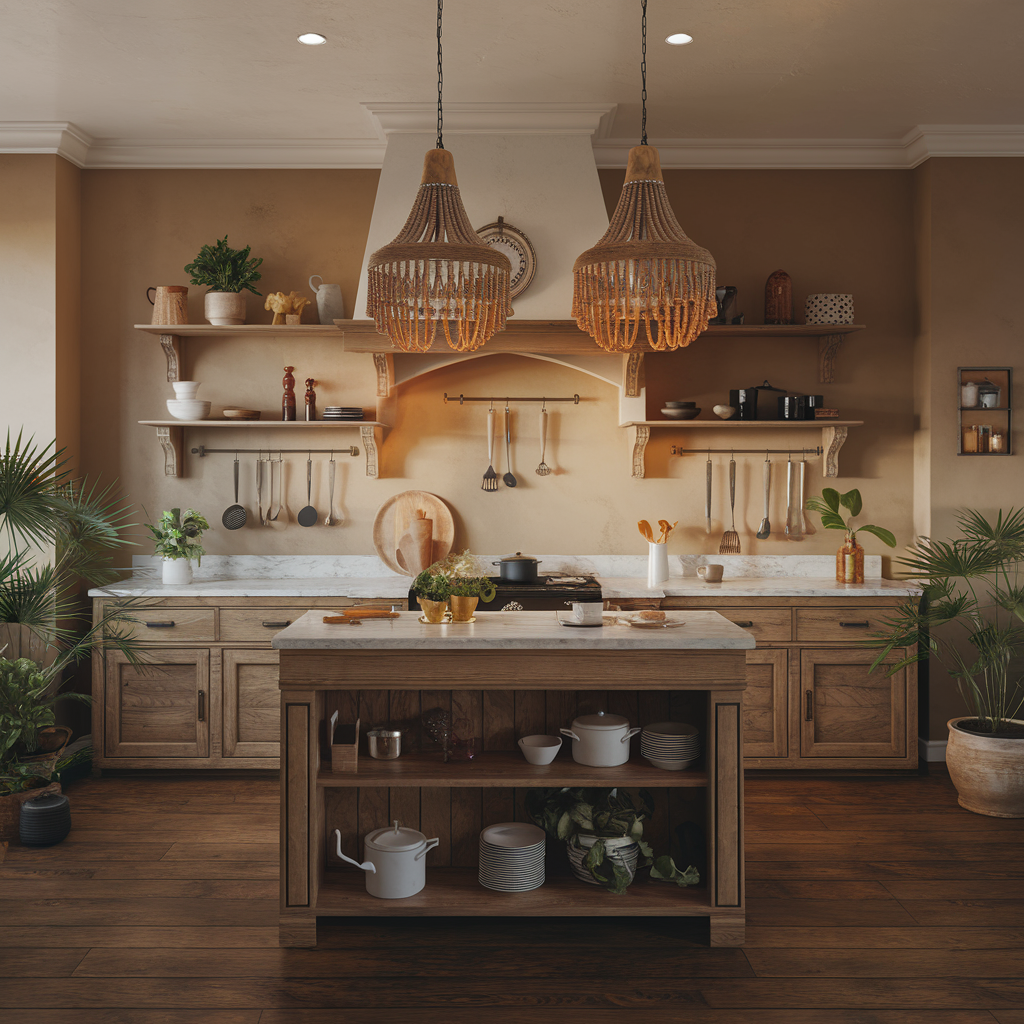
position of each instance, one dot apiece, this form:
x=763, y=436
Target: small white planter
x=225, y=309
x=177, y=571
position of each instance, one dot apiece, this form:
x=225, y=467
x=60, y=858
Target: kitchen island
x=502, y=677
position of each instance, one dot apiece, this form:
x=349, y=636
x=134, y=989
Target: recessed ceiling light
x=315, y=39
x=676, y=39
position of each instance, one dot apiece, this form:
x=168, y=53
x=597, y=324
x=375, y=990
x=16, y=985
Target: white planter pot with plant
x=227, y=273
x=178, y=537
x=971, y=623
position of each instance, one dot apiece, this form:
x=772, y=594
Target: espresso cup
x=587, y=611
x=710, y=573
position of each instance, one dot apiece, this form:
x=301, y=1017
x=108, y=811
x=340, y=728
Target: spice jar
x=970, y=445
x=997, y=443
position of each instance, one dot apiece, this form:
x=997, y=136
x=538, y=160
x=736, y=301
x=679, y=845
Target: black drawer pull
x=160, y=625
x=855, y=625
x=202, y=706
x=745, y=623
x=277, y=625
x=809, y=705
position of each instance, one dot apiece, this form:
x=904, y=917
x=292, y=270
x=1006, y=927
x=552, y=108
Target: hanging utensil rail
x=747, y=451
x=462, y=399
x=202, y=451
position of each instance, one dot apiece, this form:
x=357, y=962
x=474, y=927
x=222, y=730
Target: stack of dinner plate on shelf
x=342, y=412
x=670, y=745
x=512, y=857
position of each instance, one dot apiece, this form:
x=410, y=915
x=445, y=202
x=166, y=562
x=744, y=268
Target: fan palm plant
x=972, y=618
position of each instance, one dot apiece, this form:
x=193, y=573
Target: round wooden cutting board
x=393, y=519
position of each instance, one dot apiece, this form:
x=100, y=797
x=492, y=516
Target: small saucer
x=570, y=622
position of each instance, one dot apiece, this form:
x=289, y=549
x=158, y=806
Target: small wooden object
x=355, y=614
x=778, y=299
x=826, y=414
x=288, y=401
x=344, y=742
x=416, y=544
x=310, y=399
x=392, y=521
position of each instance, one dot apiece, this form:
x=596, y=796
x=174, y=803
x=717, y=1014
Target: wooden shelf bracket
x=828, y=348
x=172, y=350
x=170, y=439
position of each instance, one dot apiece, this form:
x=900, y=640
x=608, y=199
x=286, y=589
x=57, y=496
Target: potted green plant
x=603, y=832
x=432, y=590
x=971, y=623
x=178, y=537
x=226, y=272
x=456, y=583
x=850, y=557
x=467, y=591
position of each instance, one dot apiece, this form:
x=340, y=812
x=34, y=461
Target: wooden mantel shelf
x=833, y=436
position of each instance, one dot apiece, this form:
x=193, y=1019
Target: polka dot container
x=829, y=308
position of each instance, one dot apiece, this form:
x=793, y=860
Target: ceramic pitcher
x=330, y=305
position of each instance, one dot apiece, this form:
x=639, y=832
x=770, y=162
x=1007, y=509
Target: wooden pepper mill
x=310, y=399
x=778, y=299
x=288, y=401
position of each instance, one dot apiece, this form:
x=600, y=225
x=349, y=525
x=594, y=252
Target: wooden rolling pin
x=352, y=614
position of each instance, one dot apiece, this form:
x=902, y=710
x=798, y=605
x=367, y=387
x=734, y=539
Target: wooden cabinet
x=766, y=704
x=849, y=711
x=161, y=709
x=250, y=704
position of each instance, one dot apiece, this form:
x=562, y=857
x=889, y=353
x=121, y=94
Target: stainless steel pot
x=518, y=568
x=384, y=744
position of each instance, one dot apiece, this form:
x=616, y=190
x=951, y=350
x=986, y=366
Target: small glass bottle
x=997, y=442
x=850, y=561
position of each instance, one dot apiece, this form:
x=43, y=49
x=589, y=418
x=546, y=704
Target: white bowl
x=185, y=390
x=724, y=412
x=191, y=410
x=539, y=749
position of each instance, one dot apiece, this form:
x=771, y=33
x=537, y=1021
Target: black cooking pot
x=518, y=568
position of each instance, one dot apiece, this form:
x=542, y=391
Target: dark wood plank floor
x=870, y=901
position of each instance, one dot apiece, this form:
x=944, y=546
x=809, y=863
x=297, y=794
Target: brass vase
x=433, y=611
x=463, y=607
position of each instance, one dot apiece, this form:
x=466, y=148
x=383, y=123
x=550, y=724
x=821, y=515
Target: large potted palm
x=971, y=623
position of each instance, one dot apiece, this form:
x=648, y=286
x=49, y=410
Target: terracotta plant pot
x=988, y=771
x=225, y=309
x=462, y=607
x=433, y=611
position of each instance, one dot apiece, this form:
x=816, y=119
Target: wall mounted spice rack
x=985, y=429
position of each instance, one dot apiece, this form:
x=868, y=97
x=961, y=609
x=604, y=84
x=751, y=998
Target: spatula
x=731, y=539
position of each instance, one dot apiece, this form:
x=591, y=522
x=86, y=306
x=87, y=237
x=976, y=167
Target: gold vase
x=463, y=607
x=433, y=611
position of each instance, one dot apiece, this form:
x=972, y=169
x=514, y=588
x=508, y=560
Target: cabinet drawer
x=161, y=625
x=764, y=624
x=255, y=623
x=848, y=622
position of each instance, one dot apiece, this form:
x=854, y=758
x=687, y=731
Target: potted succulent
x=603, y=832
x=971, y=622
x=850, y=557
x=226, y=272
x=178, y=537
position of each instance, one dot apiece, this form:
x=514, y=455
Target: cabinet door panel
x=849, y=711
x=161, y=709
x=251, y=703
x=766, y=705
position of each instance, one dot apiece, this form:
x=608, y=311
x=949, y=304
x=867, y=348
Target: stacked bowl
x=670, y=745
x=512, y=857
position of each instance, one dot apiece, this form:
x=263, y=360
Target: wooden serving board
x=393, y=518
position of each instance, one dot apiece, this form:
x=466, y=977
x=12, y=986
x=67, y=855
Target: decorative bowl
x=232, y=413
x=680, y=405
x=190, y=410
x=724, y=412
x=185, y=390
x=680, y=414
x=538, y=749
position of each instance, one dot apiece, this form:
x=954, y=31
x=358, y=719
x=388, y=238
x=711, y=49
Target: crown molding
x=593, y=119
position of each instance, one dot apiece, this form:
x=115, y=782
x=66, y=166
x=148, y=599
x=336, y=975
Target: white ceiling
x=146, y=71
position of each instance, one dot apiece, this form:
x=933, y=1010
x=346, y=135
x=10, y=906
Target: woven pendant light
x=645, y=270
x=438, y=270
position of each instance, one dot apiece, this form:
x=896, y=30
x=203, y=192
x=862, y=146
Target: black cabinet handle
x=745, y=623
x=809, y=705
x=160, y=625
x=277, y=625
x=855, y=625
x=202, y=706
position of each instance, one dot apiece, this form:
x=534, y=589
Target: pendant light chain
x=440, y=79
x=643, y=72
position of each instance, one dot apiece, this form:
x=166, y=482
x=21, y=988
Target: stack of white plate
x=343, y=412
x=670, y=745
x=512, y=857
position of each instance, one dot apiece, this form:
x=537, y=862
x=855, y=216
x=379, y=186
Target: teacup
x=587, y=611
x=710, y=573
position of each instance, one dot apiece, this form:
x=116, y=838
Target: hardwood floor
x=870, y=901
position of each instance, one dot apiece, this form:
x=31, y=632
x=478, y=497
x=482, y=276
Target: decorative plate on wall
x=517, y=247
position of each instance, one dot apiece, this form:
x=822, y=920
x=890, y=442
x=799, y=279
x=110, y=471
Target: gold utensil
x=731, y=539
x=666, y=529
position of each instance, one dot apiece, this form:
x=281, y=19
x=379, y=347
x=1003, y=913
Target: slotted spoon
x=234, y=516
x=731, y=539
x=490, y=477
x=509, y=478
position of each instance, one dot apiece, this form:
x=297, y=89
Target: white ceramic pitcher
x=330, y=305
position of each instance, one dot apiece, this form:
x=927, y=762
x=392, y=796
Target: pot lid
x=601, y=721
x=518, y=557
x=395, y=839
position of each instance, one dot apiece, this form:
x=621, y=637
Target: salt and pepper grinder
x=310, y=399
x=288, y=401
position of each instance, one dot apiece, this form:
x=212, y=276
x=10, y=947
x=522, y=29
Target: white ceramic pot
x=185, y=390
x=330, y=305
x=176, y=571
x=225, y=309
x=396, y=861
x=988, y=771
x=601, y=740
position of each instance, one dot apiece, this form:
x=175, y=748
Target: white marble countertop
x=530, y=631
x=757, y=587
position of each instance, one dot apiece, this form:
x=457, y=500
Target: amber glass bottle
x=850, y=561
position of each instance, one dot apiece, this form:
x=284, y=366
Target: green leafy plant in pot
x=850, y=557
x=432, y=591
x=456, y=582
x=971, y=624
x=226, y=272
x=178, y=537
x=603, y=832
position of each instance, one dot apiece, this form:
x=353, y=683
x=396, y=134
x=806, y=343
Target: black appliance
x=554, y=591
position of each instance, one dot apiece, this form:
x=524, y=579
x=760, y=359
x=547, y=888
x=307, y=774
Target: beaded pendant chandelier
x=645, y=270
x=437, y=270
